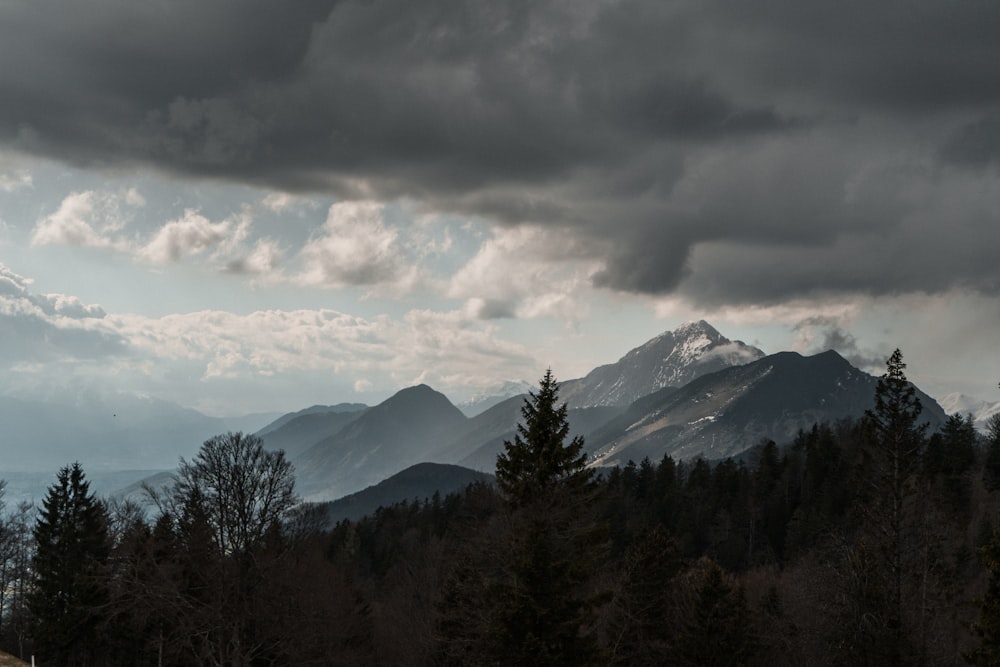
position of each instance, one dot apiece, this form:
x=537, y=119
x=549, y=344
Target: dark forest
x=868, y=541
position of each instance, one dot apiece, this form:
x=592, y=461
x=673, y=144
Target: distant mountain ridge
x=728, y=407
x=340, y=408
x=397, y=433
x=486, y=400
x=297, y=432
x=980, y=410
x=727, y=412
x=418, y=482
x=672, y=359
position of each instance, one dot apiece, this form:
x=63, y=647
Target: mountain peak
x=673, y=358
x=695, y=327
x=418, y=394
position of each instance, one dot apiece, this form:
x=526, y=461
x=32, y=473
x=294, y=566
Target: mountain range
x=110, y=433
x=697, y=394
x=981, y=411
x=689, y=392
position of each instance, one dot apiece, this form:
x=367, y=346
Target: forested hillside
x=863, y=541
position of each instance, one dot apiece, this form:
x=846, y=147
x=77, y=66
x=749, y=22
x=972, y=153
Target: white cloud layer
x=50, y=328
x=86, y=219
x=191, y=234
x=526, y=272
x=355, y=247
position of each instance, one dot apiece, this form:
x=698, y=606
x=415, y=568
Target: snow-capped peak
x=673, y=358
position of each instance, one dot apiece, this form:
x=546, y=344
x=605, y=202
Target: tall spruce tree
x=70, y=592
x=543, y=600
x=895, y=439
x=539, y=460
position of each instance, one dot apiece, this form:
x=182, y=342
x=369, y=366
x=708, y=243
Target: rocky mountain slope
x=672, y=359
x=727, y=412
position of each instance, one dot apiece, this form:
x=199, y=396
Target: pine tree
x=542, y=600
x=643, y=630
x=539, y=460
x=892, y=459
x=988, y=627
x=70, y=592
x=718, y=631
x=991, y=469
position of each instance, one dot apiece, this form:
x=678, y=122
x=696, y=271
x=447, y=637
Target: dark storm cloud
x=910, y=57
x=659, y=131
x=976, y=143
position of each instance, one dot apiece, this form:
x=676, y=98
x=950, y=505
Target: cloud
x=821, y=333
x=524, y=272
x=51, y=328
x=86, y=219
x=14, y=181
x=97, y=219
x=67, y=306
x=447, y=349
x=733, y=153
x=976, y=143
x=354, y=247
x=264, y=259
x=191, y=234
x=281, y=202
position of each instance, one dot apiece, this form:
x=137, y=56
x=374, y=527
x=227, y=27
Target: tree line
x=867, y=541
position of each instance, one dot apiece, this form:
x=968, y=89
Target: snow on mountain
x=672, y=359
x=726, y=413
x=962, y=404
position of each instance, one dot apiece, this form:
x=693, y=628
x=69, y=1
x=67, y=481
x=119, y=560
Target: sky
x=251, y=205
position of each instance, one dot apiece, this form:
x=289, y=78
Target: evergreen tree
x=950, y=454
x=718, y=631
x=539, y=459
x=542, y=601
x=643, y=626
x=991, y=469
x=988, y=627
x=70, y=591
x=892, y=459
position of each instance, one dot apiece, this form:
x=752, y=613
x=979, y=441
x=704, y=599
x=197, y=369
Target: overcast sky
x=258, y=205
